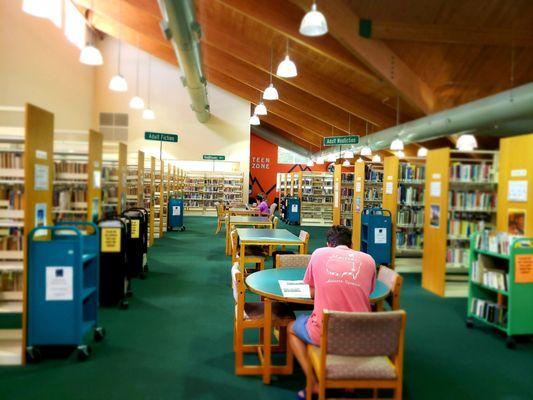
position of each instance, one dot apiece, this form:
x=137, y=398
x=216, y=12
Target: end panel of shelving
x=391, y=165
x=337, y=176
x=94, y=168
x=140, y=178
x=122, y=176
x=435, y=230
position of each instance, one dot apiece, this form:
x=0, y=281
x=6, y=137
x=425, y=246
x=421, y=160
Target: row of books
x=347, y=177
x=373, y=193
x=311, y=199
x=11, y=160
x=410, y=216
x=411, y=172
x=346, y=222
x=410, y=195
x=346, y=207
x=489, y=311
x=109, y=173
x=479, y=172
x=465, y=227
x=71, y=167
x=12, y=242
x=457, y=255
x=11, y=281
x=471, y=200
x=409, y=239
x=495, y=242
x=347, y=192
x=495, y=278
x=64, y=199
x=374, y=175
x=13, y=196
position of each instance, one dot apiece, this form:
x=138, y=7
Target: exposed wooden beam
x=293, y=139
x=280, y=16
x=431, y=33
x=375, y=54
x=308, y=79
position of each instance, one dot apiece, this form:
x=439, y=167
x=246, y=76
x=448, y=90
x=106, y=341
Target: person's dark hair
x=259, y=197
x=339, y=235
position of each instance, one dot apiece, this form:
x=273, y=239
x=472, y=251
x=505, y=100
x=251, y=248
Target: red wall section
x=264, y=167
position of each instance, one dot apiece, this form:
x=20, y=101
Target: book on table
x=295, y=289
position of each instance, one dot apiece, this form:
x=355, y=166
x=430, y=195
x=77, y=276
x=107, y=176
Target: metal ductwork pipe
x=272, y=137
x=179, y=25
x=506, y=113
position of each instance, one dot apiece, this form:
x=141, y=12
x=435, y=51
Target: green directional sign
x=214, y=157
x=340, y=140
x=161, y=137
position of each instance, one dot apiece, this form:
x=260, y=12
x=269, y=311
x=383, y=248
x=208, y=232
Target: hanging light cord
x=149, y=78
x=271, y=55
x=397, y=110
x=138, y=63
x=119, y=33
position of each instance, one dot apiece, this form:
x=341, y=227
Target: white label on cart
x=176, y=211
x=518, y=172
x=294, y=208
x=380, y=235
x=59, y=284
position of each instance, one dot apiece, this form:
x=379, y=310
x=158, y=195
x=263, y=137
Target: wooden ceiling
x=432, y=54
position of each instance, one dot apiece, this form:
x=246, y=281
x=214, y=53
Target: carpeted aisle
x=175, y=341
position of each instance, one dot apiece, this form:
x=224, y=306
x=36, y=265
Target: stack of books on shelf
x=494, y=242
x=317, y=198
x=410, y=218
x=373, y=186
x=203, y=190
x=346, y=198
x=66, y=170
x=11, y=160
x=411, y=196
x=490, y=311
x=495, y=278
x=462, y=229
x=473, y=200
x=69, y=199
x=409, y=240
x=411, y=173
x=476, y=172
x=457, y=257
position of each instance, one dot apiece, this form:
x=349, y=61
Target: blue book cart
x=293, y=211
x=63, y=268
x=376, y=234
x=175, y=214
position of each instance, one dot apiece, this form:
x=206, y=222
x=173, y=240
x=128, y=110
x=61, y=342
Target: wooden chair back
x=394, y=282
x=273, y=207
x=305, y=236
x=292, y=260
x=234, y=245
x=275, y=223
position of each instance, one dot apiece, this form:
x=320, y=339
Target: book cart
x=501, y=284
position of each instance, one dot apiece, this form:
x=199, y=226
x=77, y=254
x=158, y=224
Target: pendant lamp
x=254, y=120
x=320, y=161
x=117, y=82
x=366, y=151
x=90, y=55
x=346, y=163
x=466, y=143
x=136, y=101
x=260, y=109
x=148, y=113
x=314, y=23
x=360, y=160
x=310, y=163
x=396, y=145
x=422, y=152
x=400, y=154
x=287, y=68
x=376, y=158
x=332, y=158
x=270, y=93
x=348, y=154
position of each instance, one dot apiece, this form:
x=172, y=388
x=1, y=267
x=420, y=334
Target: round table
x=265, y=283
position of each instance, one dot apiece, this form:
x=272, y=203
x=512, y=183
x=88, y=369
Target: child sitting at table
x=341, y=279
x=262, y=204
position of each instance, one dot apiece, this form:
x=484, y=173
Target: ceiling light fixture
x=332, y=158
x=376, y=158
x=348, y=154
x=148, y=113
x=366, y=151
x=287, y=68
x=270, y=93
x=314, y=23
x=422, y=152
x=360, y=160
x=400, y=154
x=254, y=120
x=260, y=109
x=466, y=143
x=396, y=145
x=90, y=55
x=118, y=83
x=346, y=163
x=136, y=102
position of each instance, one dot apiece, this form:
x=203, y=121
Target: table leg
x=302, y=249
x=241, y=256
x=267, y=339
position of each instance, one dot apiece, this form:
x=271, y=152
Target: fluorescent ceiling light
x=396, y=145
x=270, y=93
x=313, y=23
x=422, y=152
x=286, y=68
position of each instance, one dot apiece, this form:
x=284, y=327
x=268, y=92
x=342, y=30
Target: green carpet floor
x=175, y=341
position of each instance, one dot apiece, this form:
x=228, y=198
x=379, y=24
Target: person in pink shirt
x=262, y=204
x=341, y=279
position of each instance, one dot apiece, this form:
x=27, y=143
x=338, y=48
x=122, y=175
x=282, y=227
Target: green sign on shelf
x=214, y=157
x=340, y=140
x=161, y=137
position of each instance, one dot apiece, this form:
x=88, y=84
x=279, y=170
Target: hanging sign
x=214, y=157
x=110, y=242
x=340, y=140
x=161, y=137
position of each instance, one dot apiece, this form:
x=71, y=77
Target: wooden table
x=243, y=211
x=265, y=284
x=244, y=220
x=266, y=237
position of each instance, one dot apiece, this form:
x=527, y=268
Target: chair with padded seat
x=250, y=315
x=394, y=281
x=252, y=256
x=292, y=260
x=273, y=207
x=359, y=351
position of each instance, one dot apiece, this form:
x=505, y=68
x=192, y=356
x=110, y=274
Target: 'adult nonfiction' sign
x=340, y=140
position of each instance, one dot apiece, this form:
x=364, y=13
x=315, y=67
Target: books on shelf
x=69, y=167
x=410, y=217
x=463, y=228
x=411, y=172
x=409, y=239
x=495, y=278
x=11, y=160
x=457, y=255
x=471, y=200
x=373, y=173
x=411, y=196
x=490, y=311
x=317, y=198
x=475, y=172
x=494, y=242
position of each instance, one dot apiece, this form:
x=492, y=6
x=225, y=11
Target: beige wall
x=39, y=65
x=226, y=133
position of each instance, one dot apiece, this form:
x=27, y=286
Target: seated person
x=262, y=204
x=341, y=279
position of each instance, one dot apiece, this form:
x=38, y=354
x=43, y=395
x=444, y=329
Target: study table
x=243, y=211
x=267, y=237
x=265, y=284
x=244, y=220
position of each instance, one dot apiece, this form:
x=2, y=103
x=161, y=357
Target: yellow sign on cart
x=524, y=268
x=110, y=241
x=135, y=228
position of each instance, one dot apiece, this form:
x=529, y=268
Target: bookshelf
x=460, y=197
x=501, y=283
x=110, y=187
x=159, y=198
x=70, y=186
x=410, y=203
x=343, y=195
x=202, y=189
x=315, y=190
x=122, y=177
x=149, y=196
x=389, y=198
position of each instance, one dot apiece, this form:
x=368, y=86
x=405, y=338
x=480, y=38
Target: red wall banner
x=264, y=167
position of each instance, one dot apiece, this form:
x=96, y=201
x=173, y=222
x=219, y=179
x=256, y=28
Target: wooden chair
x=292, y=260
x=221, y=213
x=359, y=351
x=394, y=281
x=275, y=222
x=305, y=236
x=273, y=207
x=250, y=315
x=252, y=255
